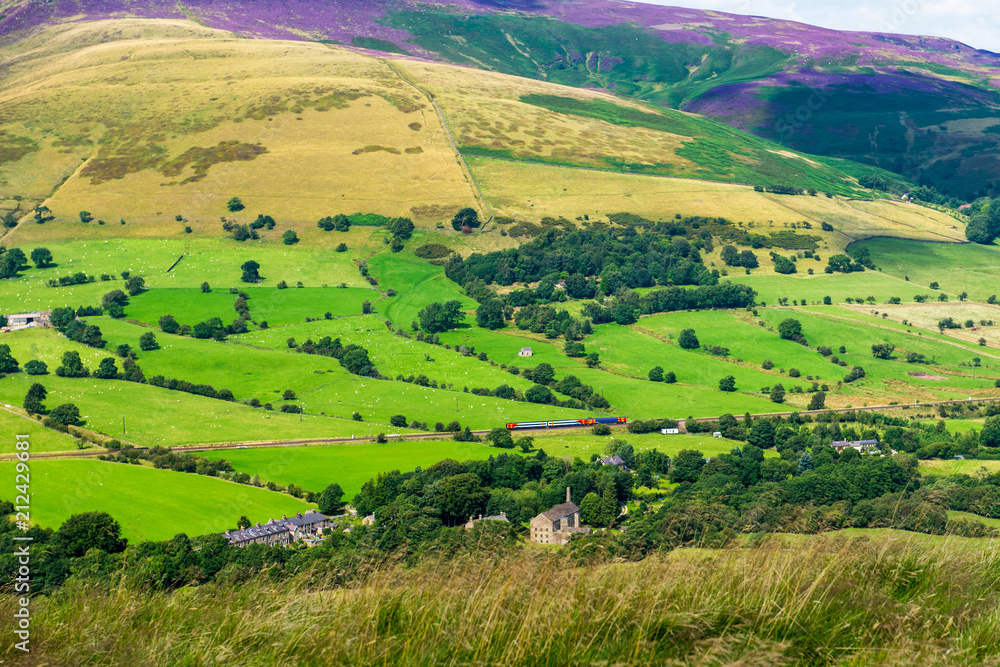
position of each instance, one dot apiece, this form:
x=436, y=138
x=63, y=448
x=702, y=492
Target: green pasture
x=286, y=306
x=829, y=332
x=867, y=319
x=42, y=439
x=584, y=444
x=625, y=350
x=154, y=416
x=955, y=467
x=48, y=345
x=416, y=282
x=629, y=396
x=959, y=425
x=320, y=383
x=215, y=261
x=321, y=386
x=315, y=468
x=747, y=342
x=188, y=305
x=392, y=354
x=957, y=268
x=968, y=516
x=267, y=304
x=837, y=286
x=149, y=504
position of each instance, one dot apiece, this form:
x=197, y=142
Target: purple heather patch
x=343, y=20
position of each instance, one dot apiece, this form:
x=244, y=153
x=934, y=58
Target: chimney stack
x=569, y=498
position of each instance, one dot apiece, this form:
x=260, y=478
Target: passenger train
x=567, y=422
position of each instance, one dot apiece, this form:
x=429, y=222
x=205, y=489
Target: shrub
x=66, y=414
x=688, y=340
x=790, y=329
x=36, y=367
x=538, y=394
x=147, y=342
x=656, y=374
x=601, y=429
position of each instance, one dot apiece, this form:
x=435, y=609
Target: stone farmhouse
x=283, y=531
x=860, y=445
x=558, y=524
x=615, y=460
x=24, y=320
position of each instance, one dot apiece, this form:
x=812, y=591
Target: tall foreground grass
x=818, y=600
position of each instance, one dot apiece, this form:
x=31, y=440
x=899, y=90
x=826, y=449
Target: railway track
x=317, y=442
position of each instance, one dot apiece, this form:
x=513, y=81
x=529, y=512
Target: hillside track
x=487, y=209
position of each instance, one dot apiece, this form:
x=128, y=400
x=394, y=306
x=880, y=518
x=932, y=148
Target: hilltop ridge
x=932, y=117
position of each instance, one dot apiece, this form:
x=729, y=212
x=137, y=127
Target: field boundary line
x=451, y=140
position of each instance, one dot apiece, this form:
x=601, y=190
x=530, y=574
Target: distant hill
x=925, y=107
x=162, y=121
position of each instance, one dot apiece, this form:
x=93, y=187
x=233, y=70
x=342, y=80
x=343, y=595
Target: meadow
x=749, y=346
x=927, y=315
x=417, y=284
x=532, y=191
x=888, y=380
x=189, y=95
x=147, y=415
x=316, y=467
x=393, y=355
x=271, y=305
x=149, y=504
x=630, y=396
x=966, y=467
x=215, y=261
x=970, y=267
x=802, y=287
x=859, y=597
x=585, y=444
x=42, y=439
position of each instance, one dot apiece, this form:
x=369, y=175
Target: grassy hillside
x=214, y=117
x=909, y=599
x=165, y=154
x=42, y=439
x=149, y=504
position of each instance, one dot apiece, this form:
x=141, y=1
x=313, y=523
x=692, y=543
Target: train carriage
x=563, y=423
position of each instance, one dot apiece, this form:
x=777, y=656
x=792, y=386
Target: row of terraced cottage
x=308, y=528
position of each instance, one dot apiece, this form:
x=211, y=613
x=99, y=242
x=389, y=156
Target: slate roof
x=309, y=518
x=613, y=460
x=273, y=527
x=559, y=511
x=256, y=532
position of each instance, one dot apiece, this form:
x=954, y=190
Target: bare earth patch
x=926, y=376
